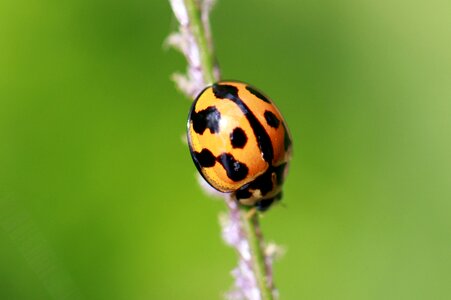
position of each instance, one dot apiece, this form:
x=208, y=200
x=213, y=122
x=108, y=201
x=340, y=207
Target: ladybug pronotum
x=240, y=143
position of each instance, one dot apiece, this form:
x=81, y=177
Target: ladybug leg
x=264, y=204
x=278, y=197
x=250, y=214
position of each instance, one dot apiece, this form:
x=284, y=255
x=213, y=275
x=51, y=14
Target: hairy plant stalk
x=193, y=39
x=253, y=276
x=197, y=28
x=255, y=239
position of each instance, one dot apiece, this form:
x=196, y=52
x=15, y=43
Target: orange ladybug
x=240, y=142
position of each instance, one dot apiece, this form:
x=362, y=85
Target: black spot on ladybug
x=257, y=94
x=224, y=91
x=205, y=158
x=207, y=118
x=235, y=170
x=271, y=119
x=286, y=138
x=238, y=138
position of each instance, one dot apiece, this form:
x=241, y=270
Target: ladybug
x=239, y=142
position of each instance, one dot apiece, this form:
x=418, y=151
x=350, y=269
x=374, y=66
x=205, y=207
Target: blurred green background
x=98, y=198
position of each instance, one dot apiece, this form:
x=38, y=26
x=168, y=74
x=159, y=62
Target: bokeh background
x=98, y=195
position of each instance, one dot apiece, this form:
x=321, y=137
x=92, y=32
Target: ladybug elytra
x=240, y=142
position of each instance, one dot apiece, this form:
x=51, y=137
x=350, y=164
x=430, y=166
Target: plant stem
x=249, y=228
x=207, y=59
x=252, y=230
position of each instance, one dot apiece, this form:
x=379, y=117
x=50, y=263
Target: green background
x=98, y=195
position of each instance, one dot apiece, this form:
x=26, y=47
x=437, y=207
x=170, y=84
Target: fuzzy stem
x=198, y=30
x=253, y=234
x=200, y=55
